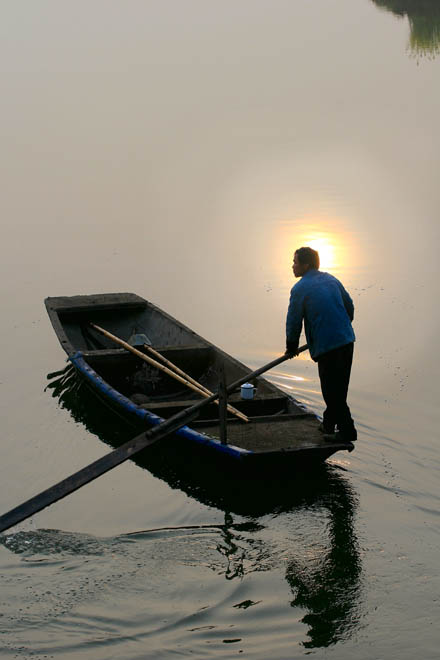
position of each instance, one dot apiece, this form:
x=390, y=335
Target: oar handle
x=266, y=367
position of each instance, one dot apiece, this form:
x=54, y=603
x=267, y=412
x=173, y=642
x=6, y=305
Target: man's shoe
x=337, y=436
x=325, y=429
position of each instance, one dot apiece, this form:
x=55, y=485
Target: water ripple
x=200, y=587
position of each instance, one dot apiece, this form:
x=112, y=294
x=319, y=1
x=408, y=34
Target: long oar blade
x=119, y=455
x=84, y=476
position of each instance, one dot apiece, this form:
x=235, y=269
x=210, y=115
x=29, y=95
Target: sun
x=326, y=251
x=327, y=235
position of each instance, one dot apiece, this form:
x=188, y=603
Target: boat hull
x=100, y=365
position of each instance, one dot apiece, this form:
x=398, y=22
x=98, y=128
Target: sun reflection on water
x=326, y=250
x=329, y=245
x=327, y=235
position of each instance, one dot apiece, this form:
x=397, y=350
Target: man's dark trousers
x=334, y=372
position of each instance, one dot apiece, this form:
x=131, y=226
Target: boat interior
x=152, y=389
x=147, y=385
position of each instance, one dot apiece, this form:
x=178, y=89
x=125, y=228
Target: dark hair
x=307, y=255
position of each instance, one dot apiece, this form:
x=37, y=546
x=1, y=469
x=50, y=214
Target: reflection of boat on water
x=279, y=430
x=424, y=21
x=316, y=511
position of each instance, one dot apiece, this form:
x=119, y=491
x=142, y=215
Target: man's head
x=305, y=259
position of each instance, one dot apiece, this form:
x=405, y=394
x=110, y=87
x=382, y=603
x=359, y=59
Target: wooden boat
x=280, y=431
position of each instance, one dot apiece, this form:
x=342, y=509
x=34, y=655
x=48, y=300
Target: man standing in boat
x=327, y=310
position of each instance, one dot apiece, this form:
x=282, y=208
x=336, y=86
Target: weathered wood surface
x=154, y=363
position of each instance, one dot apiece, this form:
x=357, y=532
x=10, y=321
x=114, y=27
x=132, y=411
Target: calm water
x=182, y=151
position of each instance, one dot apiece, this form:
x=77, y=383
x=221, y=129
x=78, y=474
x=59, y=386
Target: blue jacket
x=327, y=310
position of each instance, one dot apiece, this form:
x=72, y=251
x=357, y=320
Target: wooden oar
x=177, y=369
x=189, y=382
x=192, y=380
x=119, y=455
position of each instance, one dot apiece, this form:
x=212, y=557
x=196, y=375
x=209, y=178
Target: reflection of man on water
x=327, y=310
x=325, y=579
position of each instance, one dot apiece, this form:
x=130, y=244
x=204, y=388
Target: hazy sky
x=182, y=149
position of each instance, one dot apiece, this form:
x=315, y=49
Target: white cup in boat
x=247, y=391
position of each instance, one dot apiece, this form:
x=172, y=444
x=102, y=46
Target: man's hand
x=291, y=349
